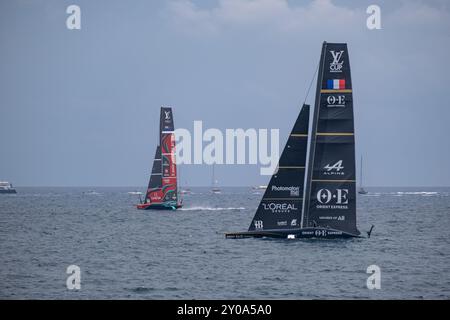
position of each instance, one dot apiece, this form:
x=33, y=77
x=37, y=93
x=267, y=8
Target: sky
x=81, y=107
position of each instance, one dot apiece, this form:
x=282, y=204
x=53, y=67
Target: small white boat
x=6, y=187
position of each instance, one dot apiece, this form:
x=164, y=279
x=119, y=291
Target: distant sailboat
x=315, y=197
x=183, y=189
x=215, y=188
x=162, y=188
x=361, y=188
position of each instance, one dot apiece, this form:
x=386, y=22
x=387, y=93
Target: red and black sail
x=162, y=187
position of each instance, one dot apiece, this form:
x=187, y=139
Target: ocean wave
x=91, y=193
x=422, y=193
x=142, y=289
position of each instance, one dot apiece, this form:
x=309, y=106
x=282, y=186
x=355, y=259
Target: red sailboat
x=162, y=191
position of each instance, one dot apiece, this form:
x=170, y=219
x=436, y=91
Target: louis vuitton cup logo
x=337, y=63
x=166, y=115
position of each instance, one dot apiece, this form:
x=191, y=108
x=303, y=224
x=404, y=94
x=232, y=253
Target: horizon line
x=204, y=186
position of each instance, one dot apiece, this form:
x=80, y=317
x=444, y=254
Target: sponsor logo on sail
x=337, y=63
x=258, y=224
x=336, y=101
x=334, y=218
x=336, y=84
x=295, y=191
x=279, y=207
x=338, y=199
x=335, y=169
x=155, y=197
x=281, y=223
x=166, y=115
x=293, y=222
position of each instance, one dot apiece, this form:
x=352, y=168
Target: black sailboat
x=162, y=191
x=319, y=202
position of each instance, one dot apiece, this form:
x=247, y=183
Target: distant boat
x=260, y=188
x=162, y=191
x=361, y=188
x=186, y=191
x=6, y=188
x=315, y=196
x=183, y=190
x=135, y=193
x=215, y=188
x=91, y=192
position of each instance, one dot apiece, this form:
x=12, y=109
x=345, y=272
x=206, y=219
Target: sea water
x=127, y=253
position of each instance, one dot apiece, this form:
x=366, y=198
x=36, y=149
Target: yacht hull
x=9, y=191
x=158, y=206
x=303, y=233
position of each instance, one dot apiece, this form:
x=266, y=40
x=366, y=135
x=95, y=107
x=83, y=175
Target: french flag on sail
x=336, y=84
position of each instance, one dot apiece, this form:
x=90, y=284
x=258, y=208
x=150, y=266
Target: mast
x=213, y=182
x=312, y=142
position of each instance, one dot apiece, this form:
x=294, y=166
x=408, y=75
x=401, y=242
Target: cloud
x=274, y=15
x=420, y=17
x=282, y=17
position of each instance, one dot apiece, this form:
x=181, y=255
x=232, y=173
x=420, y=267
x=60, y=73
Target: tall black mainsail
x=330, y=193
x=324, y=205
x=281, y=205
